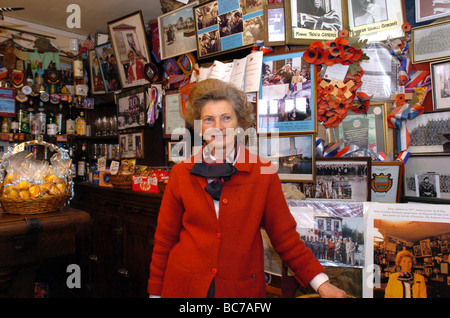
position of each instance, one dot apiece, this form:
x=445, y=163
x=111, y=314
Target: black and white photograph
x=340, y=179
x=368, y=11
x=427, y=10
x=177, y=32
x=430, y=42
x=429, y=132
x=427, y=177
x=177, y=151
x=440, y=80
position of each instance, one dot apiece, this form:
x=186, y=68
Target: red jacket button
x=214, y=270
x=218, y=235
x=225, y=201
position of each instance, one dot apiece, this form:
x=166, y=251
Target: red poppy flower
x=348, y=53
x=335, y=51
x=343, y=33
x=342, y=89
x=329, y=60
x=310, y=56
x=362, y=96
x=406, y=27
x=321, y=55
x=400, y=100
x=341, y=41
x=316, y=45
x=357, y=54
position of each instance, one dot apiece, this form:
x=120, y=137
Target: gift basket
x=32, y=186
x=123, y=179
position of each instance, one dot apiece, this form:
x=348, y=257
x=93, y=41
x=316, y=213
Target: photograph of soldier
x=368, y=11
x=209, y=43
x=207, y=15
x=318, y=15
x=253, y=30
x=428, y=185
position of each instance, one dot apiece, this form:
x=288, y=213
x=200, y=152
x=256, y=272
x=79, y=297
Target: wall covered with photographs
x=351, y=103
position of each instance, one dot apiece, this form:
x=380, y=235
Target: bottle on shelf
x=20, y=115
x=51, y=124
x=78, y=77
x=33, y=122
x=28, y=115
x=39, y=79
x=81, y=124
x=6, y=126
x=14, y=125
x=41, y=119
x=70, y=122
x=82, y=164
x=60, y=123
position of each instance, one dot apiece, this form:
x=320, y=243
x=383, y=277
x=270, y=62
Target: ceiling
x=94, y=18
x=412, y=231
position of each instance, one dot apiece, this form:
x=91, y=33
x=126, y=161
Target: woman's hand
x=328, y=290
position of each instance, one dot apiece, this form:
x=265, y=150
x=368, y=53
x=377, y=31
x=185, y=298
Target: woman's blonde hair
x=217, y=90
x=402, y=254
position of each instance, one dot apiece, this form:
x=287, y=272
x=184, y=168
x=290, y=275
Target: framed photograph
x=131, y=108
x=177, y=31
x=377, y=20
x=131, y=145
x=366, y=131
x=430, y=42
x=385, y=181
x=108, y=67
x=274, y=32
x=314, y=20
x=286, y=99
x=97, y=84
x=174, y=122
x=223, y=25
x=440, y=79
x=7, y=102
x=431, y=9
x=293, y=155
x=429, y=132
x=129, y=41
x=427, y=178
x=340, y=179
x=177, y=151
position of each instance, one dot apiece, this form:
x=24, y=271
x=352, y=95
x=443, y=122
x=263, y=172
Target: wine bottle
x=81, y=165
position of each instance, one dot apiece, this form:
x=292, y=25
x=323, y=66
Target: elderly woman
x=208, y=241
x=405, y=284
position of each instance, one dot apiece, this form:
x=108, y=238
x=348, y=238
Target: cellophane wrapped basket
x=32, y=186
x=121, y=181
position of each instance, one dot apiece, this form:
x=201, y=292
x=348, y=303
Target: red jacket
x=193, y=246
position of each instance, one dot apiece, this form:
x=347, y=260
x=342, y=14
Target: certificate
x=172, y=114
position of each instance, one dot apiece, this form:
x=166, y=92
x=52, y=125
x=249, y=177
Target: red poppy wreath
x=335, y=98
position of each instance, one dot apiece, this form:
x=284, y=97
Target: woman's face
x=406, y=264
x=219, y=123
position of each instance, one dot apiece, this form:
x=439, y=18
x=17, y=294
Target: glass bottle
x=70, y=122
x=60, y=121
x=81, y=124
x=51, y=125
x=6, y=126
x=81, y=165
x=41, y=119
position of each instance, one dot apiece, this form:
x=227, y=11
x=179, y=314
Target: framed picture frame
x=177, y=151
x=368, y=131
x=428, y=133
x=129, y=41
x=293, y=155
x=108, y=67
x=177, y=31
x=386, y=181
x=426, y=12
x=174, y=122
x=7, y=102
x=131, y=108
x=309, y=21
x=344, y=178
x=440, y=81
x=426, y=178
x=225, y=26
x=96, y=77
x=274, y=29
x=376, y=20
x=286, y=98
x=429, y=42
x=131, y=145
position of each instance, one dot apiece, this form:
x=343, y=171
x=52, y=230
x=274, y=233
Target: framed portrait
x=429, y=132
x=174, y=122
x=367, y=131
x=177, y=151
x=430, y=42
x=340, y=179
x=427, y=10
x=293, y=155
x=96, y=77
x=223, y=25
x=131, y=108
x=131, y=145
x=376, y=20
x=286, y=98
x=108, y=67
x=314, y=20
x=427, y=178
x=177, y=31
x=385, y=181
x=274, y=31
x=129, y=41
x=440, y=80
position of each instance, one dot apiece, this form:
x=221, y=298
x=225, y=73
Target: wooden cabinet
x=123, y=228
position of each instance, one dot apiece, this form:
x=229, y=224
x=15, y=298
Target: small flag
x=89, y=43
